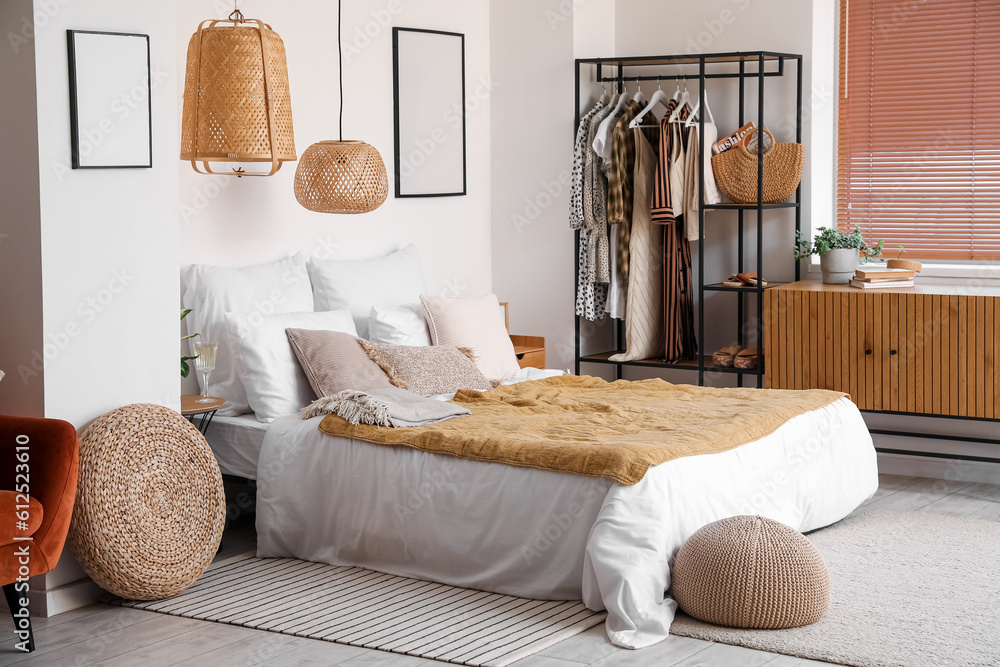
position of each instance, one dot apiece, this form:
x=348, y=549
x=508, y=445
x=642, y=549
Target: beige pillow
x=474, y=323
x=333, y=361
x=428, y=370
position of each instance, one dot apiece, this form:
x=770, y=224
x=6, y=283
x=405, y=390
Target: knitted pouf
x=751, y=572
x=150, y=506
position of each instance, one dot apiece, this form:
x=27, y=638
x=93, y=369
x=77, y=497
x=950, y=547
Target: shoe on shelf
x=746, y=358
x=724, y=357
x=750, y=279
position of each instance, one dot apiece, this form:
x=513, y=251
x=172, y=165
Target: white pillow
x=213, y=291
x=393, y=280
x=275, y=382
x=473, y=323
x=404, y=325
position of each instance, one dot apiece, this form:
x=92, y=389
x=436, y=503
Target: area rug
x=907, y=588
x=351, y=605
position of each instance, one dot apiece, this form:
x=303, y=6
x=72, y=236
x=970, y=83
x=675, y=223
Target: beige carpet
x=907, y=589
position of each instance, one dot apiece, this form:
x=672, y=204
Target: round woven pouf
x=751, y=572
x=150, y=507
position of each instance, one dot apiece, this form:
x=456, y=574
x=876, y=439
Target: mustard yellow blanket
x=588, y=426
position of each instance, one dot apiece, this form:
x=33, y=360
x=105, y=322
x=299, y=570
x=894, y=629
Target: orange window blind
x=919, y=126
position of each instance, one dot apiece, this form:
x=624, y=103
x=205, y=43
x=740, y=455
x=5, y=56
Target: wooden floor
x=106, y=635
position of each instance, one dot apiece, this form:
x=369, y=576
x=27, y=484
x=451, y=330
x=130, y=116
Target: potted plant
x=185, y=368
x=839, y=253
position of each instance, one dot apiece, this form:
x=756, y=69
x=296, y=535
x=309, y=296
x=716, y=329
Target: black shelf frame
x=741, y=65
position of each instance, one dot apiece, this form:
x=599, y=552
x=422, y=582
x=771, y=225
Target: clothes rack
x=744, y=66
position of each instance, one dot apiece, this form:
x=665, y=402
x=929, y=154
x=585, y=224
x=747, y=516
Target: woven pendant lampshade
x=341, y=176
x=237, y=107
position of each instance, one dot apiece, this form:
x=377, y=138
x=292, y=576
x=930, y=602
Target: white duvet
x=547, y=535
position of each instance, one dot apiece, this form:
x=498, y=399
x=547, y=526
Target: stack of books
x=882, y=278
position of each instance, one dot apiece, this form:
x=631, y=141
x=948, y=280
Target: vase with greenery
x=839, y=253
x=185, y=368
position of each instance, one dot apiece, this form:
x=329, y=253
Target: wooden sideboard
x=926, y=350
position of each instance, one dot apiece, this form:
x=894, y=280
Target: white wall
x=109, y=236
x=238, y=222
x=90, y=281
x=532, y=57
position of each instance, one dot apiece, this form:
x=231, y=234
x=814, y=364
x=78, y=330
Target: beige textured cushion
x=333, y=361
x=751, y=572
x=474, y=323
x=428, y=370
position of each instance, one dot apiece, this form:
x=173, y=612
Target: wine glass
x=205, y=362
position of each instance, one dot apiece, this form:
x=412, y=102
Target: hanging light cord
x=340, y=67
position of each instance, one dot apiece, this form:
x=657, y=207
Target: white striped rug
x=351, y=605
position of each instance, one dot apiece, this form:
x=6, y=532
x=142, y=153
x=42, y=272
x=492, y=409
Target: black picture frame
x=104, y=100
x=418, y=99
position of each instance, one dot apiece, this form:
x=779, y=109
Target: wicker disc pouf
x=150, y=507
x=751, y=572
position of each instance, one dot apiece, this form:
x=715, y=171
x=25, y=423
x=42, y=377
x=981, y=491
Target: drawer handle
x=892, y=352
x=868, y=351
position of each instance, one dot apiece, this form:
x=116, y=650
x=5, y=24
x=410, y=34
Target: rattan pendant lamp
x=341, y=176
x=236, y=102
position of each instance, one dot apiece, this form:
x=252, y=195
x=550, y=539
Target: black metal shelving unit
x=749, y=65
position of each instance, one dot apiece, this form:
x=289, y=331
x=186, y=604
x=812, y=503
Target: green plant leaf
x=827, y=239
x=185, y=369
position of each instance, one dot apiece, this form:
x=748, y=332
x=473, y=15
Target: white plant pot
x=838, y=265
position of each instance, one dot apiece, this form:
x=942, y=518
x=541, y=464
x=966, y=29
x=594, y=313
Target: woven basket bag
x=150, y=506
x=736, y=171
x=751, y=572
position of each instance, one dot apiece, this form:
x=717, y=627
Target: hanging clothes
x=576, y=176
x=662, y=210
x=712, y=196
x=618, y=287
x=644, y=317
x=692, y=205
x=602, y=138
x=621, y=191
x=678, y=295
x=620, y=201
x=590, y=298
x=595, y=206
x=678, y=162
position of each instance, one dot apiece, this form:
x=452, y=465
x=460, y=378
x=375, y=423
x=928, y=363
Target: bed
x=522, y=531
x=541, y=534
x=236, y=443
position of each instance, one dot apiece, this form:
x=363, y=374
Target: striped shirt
x=663, y=209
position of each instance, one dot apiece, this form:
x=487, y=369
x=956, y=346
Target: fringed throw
x=356, y=407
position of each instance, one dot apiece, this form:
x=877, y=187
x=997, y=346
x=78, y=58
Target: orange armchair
x=38, y=464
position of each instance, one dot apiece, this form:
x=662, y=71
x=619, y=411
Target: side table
x=191, y=409
x=530, y=350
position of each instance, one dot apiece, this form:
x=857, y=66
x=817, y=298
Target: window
x=919, y=126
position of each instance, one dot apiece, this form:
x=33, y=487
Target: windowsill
x=985, y=274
